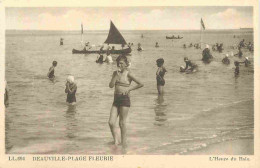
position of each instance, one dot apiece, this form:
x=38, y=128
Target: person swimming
x=50, y=74
x=71, y=89
x=156, y=44
x=206, y=55
x=226, y=60
x=121, y=80
x=247, y=62
x=100, y=59
x=160, y=75
x=139, y=48
x=192, y=66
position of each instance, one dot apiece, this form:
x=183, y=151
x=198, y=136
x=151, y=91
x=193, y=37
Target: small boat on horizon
x=173, y=37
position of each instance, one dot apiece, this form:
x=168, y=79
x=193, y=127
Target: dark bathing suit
x=120, y=99
x=51, y=74
x=71, y=97
x=159, y=78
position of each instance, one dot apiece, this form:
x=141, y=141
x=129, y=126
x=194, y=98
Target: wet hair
x=122, y=57
x=54, y=63
x=160, y=61
x=186, y=58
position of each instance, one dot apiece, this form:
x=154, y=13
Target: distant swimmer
x=160, y=75
x=6, y=95
x=220, y=47
x=190, y=45
x=190, y=67
x=156, y=44
x=50, y=74
x=226, y=60
x=184, y=45
x=139, y=48
x=121, y=80
x=71, y=89
x=206, y=55
x=61, y=41
x=241, y=44
x=240, y=53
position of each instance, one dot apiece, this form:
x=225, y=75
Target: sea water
x=196, y=111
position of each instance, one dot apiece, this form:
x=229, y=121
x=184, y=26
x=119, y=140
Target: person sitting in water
x=6, y=95
x=206, y=55
x=156, y=44
x=139, y=48
x=188, y=64
x=226, y=60
x=160, y=75
x=121, y=80
x=100, y=59
x=71, y=89
x=247, y=62
x=109, y=58
x=50, y=74
x=220, y=48
x=240, y=53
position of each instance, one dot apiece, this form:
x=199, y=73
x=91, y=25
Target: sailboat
x=114, y=37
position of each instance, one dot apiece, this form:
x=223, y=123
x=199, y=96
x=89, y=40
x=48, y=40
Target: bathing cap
x=70, y=79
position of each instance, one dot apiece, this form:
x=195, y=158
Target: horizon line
x=127, y=29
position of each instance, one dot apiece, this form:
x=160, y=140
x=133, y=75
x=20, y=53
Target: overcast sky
x=129, y=18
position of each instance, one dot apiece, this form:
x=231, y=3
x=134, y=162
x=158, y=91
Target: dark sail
x=114, y=36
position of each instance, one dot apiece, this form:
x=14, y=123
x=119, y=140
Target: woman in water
x=50, y=74
x=121, y=79
x=71, y=89
x=160, y=75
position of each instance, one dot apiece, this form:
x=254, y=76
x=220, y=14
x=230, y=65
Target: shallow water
x=197, y=110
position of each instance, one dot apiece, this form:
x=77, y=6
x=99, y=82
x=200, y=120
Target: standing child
x=160, y=75
x=50, y=74
x=121, y=80
x=71, y=89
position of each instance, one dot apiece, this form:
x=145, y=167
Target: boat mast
x=81, y=34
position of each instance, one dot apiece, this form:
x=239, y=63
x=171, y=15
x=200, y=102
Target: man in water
x=206, y=55
x=50, y=74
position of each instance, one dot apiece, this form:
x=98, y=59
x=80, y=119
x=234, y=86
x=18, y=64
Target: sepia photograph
x=129, y=80
x=129, y=84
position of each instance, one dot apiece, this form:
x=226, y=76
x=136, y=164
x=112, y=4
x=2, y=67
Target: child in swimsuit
x=121, y=80
x=160, y=75
x=71, y=89
x=51, y=70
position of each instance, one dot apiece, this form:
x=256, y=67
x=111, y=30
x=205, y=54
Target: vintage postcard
x=138, y=85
